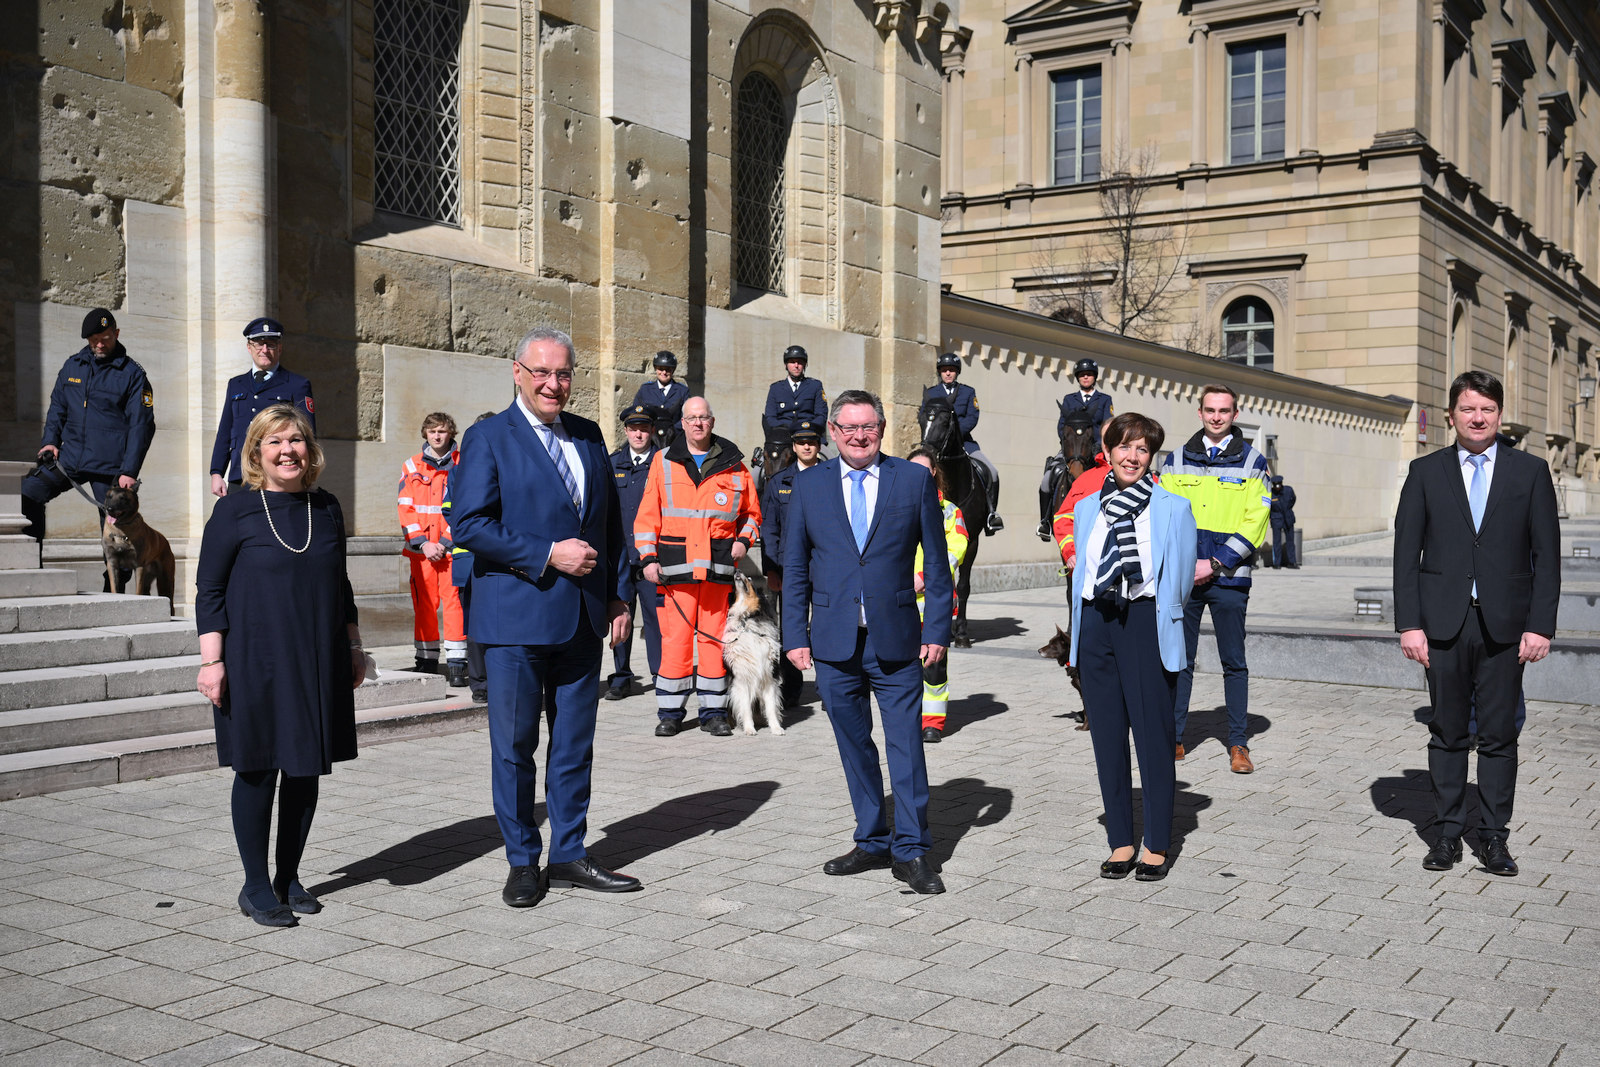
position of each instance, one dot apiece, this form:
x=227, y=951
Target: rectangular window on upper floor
x=1257, y=98
x=1075, y=96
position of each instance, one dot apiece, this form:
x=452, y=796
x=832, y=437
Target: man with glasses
x=534, y=502
x=850, y=608
x=266, y=384
x=696, y=521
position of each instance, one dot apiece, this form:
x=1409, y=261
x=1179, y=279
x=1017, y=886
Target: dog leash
x=692, y=626
x=55, y=461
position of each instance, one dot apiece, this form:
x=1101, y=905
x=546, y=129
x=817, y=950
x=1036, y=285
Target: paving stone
x=136, y=1032
x=391, y=1046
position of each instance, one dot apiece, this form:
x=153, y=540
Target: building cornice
x=1064, y=25
x=1218, y=265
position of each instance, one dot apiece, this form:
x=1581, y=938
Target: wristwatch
x=1216, y=564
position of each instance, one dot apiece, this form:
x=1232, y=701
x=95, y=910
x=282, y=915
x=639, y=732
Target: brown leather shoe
x=1179, y=756
x=1239, y=760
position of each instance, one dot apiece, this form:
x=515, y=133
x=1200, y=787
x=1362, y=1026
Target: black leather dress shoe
x=855, y=862
x=932, y=735
x=667, y=728
x=616, y=692
x=1445, y=853
x=524, y=888
x=277, y=915
x=717, y=726
x=1497, y=858
x=297, y=898
x=919, y=875
x=587, y=874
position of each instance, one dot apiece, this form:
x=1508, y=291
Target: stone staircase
x=97, y=688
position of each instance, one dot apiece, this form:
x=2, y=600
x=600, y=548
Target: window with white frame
x=1075, y=96
x=1247, y=333
x=417, y=108
x=1257, y=99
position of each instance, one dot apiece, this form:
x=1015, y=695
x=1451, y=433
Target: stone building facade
x=1375, y=195
x=409, y=185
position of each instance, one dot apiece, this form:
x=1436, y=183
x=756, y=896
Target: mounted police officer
x=630, y=469
x=665, y=392
x=1086, y=398
x=793, y=398
x=964, y=399
x=254, y=391
x=99, y=426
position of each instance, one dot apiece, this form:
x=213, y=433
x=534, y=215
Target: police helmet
x=665, y=361
x=1085, y=366
x=805, y=430
x=949, y=361
x=639, y=413
x=795, y=352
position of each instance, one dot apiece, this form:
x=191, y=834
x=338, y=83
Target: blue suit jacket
x=1172, y=543
x=508, y=506
x=823, y=572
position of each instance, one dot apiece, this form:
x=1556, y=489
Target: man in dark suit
x=850, y=606
x=536, y=505
x=267, y=383
x=1477, y=579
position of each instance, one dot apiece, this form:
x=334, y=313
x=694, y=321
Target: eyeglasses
x=697, y=418
x=866, y=429
x=266, y=342
x=539, y=376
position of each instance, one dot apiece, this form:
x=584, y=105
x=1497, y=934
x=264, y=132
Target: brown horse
x=1063, y=468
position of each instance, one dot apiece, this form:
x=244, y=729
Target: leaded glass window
x=417, y=108
x=1076, y=99
x=1257, y=91
x=760, y=143
x=1247, y=333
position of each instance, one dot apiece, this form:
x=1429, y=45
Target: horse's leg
x=958, y=629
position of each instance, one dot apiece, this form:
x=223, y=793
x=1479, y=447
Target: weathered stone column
x=1199, y=38
x=1309, y=18
x=17, y=551
x=955, y=70
x=1024, y=121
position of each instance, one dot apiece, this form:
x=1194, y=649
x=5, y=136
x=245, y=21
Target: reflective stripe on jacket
x=690, y=516
x=1228, y=495
x=421, y=501
x=955, y=543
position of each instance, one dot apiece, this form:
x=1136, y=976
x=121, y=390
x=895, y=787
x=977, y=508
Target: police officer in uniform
x=255, y=390
x=99, y=426
x=1086, y=398
x=793, y=398
x=965, y=401
x=807, y=443
x=665, y=391
x=630, y=467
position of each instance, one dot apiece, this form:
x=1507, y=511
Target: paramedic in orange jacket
x=1085, y=484
x=696, y=521
x=428, y=544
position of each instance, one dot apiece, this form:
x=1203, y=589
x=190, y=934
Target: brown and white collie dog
x=750, y=650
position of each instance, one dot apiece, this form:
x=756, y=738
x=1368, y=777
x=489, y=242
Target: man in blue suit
x=850, y=608
x=265, y=384
x=536, y=505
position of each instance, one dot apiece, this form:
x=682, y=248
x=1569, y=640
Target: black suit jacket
x=1514, y=558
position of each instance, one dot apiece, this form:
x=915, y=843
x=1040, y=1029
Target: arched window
x=761, y=138
x=1247, y=332
x=417, y=108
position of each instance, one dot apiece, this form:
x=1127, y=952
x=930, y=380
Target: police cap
x=637, y=414
x=665, y=361
x=263, y=327
x=98, y=321
x=949, y=361
x=1085, y=366
x=795, y=352
x=805, y=430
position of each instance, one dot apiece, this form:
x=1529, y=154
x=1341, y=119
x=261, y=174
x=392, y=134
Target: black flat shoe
x=587, y=874
x=298, y=900
x=855, y=862
x=524, y=888
x=1445, y=853
x=1497, y=859
x=277, y=915
x=919, y=875
x=1152, y=872
x=667, y=728
x=932, y=735
x=1119, y=868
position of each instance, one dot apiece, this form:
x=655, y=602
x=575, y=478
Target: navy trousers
x=518, y=677
x=44, y=484
x=648, y=597
x=1228, y=604
x=1127, y=688
x=1473, y=667
x=847, y=688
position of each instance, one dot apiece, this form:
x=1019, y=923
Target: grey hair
x=855, y=396
x=702, y=400
x=548, y=333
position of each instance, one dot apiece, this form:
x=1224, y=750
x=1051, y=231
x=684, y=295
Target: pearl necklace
x=274, y=529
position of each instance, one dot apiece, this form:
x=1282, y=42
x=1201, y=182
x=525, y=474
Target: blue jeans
x=1228, y=604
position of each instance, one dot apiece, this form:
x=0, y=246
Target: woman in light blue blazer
x=1134, y=570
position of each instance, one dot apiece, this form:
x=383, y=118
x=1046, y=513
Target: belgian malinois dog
x=130, y=543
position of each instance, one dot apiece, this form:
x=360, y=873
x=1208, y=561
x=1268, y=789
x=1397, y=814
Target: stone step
x=134, y=759
x=32, y=614
x=33, y=728
x=47, y=582
x=86, y=684
x=106, y=644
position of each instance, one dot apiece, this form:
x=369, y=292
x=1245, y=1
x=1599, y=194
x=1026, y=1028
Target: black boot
x=426, y=666
x=455, y=673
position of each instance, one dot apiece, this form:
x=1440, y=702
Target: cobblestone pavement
x=1297, y=926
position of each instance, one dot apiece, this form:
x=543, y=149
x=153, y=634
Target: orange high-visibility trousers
x=685, y=608
x=431, y=589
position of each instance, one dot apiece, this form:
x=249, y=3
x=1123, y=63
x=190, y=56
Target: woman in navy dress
x=280, y=651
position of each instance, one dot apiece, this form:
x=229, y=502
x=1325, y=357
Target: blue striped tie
x=858, y=508
x=553, y=446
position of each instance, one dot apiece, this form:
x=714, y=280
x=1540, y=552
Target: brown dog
x=1059, y=648
x=129, y=543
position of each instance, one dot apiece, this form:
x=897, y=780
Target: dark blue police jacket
x=676, y=394
x=964, y=399
x=774, y=509
x=786, y=406
x=1099, y=409
x=630, y=479
x=102, y=414
x=245, y=398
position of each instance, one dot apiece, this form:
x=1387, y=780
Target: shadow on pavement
x=675, y=821
x=1186, y=809
x=1212, y=723
x=964, y=711
x=994, y=629
x=1409, y=796
x=423, y=857
x=958, y=806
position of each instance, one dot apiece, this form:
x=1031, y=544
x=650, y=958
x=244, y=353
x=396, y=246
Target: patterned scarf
x=1121, y=557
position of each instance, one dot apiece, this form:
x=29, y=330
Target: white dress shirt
x=1096, y=547
x=569, y=452
x=638, y=457
x=869, y=486
x=1488, y=468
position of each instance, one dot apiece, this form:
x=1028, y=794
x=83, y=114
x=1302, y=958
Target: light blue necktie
x=553, y=446
x=1477, y=497
x=858, y=508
